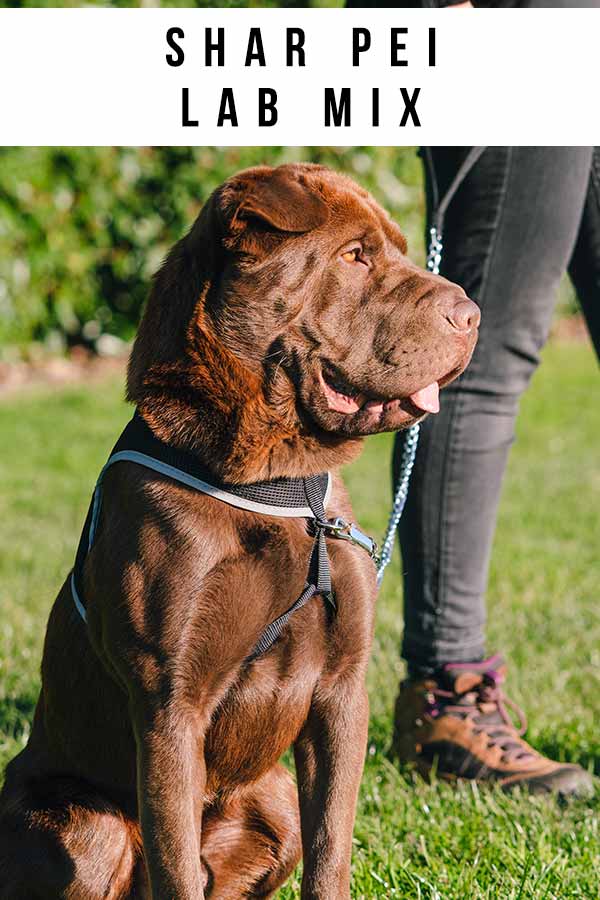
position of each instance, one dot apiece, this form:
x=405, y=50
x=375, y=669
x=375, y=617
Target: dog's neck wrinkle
x=242, y=429
x=242, y=445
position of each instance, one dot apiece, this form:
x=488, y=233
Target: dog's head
x=295, y=281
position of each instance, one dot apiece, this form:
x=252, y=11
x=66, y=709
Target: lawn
x=411, y=840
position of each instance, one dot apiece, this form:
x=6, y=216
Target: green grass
x=411, y=840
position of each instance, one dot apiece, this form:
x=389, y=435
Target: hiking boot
x=457, y=724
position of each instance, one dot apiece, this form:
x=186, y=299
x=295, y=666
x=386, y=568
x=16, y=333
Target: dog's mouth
x=348, y=399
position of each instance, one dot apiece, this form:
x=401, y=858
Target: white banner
x=370, y=76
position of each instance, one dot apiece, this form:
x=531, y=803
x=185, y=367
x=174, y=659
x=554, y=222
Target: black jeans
x=520, y=219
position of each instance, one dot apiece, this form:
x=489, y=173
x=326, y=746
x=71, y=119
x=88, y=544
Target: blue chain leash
x=411, y=439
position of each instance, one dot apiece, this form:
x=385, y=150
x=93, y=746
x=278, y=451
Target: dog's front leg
x=330, y=755
x=171, y=778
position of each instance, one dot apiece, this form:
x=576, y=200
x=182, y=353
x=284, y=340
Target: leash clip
x=348, y=531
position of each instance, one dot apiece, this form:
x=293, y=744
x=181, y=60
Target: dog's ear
x=250, y=212
x=281, y=199
x=179, y=287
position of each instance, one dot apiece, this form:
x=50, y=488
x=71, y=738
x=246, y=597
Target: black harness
x=286, y=497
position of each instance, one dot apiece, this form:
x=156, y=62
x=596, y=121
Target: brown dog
x=285, y=326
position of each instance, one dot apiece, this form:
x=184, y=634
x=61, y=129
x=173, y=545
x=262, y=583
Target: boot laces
x=488, y=707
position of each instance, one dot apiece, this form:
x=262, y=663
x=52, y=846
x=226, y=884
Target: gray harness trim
x=304, y=498
x=149, y=462
x=78, y=604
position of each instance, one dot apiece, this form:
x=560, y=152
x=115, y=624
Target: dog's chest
x=265, y=710
x=259, y=719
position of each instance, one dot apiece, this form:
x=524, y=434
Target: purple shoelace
x=494, y=721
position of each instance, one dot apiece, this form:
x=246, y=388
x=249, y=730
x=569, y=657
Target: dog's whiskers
x=275, y=353
x=279, y=365
x=283, y=358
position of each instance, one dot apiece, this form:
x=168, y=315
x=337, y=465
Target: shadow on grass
x=586, y=757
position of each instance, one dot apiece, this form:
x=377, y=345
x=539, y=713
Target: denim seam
x=455, y=420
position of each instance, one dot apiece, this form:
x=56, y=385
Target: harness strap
x=286, y=497
x=319, y=571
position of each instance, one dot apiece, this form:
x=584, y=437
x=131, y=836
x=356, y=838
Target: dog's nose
x=465, y=315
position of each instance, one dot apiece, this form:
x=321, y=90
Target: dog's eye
x=351, y=255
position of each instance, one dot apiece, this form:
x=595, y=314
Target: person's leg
x=508, y=237
x=584, y=268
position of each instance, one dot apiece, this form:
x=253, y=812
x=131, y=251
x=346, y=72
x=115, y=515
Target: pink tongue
x=428, y=398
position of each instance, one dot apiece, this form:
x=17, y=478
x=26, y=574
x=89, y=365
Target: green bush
x=83, y=229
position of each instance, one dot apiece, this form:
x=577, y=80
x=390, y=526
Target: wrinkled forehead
x=355, y=214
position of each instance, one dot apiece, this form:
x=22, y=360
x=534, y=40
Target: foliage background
x=83, y=229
